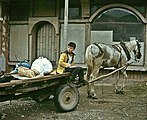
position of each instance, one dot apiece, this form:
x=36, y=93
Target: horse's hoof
x=119, y=91
x=92, y=97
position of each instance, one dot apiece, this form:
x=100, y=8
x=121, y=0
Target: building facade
x=33, y=28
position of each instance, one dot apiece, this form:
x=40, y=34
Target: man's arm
x=62, y=61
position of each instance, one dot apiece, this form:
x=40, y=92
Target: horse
x=103, y=55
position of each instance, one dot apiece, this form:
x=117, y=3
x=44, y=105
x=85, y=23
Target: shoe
x=72, y=78
x=75, y=81
x=73, y=85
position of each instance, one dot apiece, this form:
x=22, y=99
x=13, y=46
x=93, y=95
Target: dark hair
x=72, y=44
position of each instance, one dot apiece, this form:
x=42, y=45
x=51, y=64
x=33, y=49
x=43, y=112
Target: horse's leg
x=116, y=83
x=94, y=74
x=124, y=80
x=88, y=78
x=90, y=87
x=121, y=90
x=91, y=90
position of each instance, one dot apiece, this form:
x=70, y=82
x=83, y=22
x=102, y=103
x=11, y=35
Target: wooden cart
x=66, y=98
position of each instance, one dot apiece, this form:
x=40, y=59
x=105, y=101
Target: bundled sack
x=42, y=65
x=26, y=72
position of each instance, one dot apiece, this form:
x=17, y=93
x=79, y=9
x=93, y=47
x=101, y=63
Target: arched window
x=118, y=24
x=124, y=24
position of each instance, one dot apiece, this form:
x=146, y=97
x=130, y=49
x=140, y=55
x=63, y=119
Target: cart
x=66, y=98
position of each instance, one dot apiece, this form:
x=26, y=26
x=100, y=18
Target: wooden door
x=46, y=46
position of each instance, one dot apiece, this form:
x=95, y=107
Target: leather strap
x=125, y=50
x=101, y=50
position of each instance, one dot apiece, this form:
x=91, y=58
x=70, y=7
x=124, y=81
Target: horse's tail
x=93, y=51
x=89, y=57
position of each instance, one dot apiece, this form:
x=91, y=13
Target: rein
x=125, y=50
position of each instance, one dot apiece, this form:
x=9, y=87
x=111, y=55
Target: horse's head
x=137, y=51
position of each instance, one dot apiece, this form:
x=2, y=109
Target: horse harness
x=123, y=45
x=101, y=50
x=118, y=48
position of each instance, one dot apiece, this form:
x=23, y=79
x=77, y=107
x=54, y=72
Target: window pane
x=44, y=8
x=19, y=11
x=74, y=9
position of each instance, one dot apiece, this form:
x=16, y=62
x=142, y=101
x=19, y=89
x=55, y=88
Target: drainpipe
x=2, y=56
x=4, y=36
x=65, y=21
x=2, y=63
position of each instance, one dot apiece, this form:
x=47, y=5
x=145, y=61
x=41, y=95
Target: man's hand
x=73, y=66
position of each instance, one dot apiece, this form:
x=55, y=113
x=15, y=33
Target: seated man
x=66, y=64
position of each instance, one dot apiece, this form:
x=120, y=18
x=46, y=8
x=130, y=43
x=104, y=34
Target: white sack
x=42, y=65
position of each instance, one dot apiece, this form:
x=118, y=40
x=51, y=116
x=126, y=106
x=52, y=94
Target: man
x=66, y=64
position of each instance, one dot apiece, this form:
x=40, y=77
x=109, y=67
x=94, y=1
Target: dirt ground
x=109, y=106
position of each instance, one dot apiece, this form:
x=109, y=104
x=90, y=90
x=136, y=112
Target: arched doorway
x=44, y=41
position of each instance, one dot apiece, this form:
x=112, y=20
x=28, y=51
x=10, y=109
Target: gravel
x=132, y=105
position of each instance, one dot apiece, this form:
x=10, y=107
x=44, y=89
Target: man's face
x=70, y=49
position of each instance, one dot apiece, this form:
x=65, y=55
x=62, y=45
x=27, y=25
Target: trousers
x=76, y=71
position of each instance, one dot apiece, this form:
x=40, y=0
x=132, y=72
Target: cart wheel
x=66, y=98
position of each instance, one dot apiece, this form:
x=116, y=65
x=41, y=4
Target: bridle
x=137, y=52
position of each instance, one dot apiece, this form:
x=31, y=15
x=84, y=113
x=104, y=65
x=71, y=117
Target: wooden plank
x=22, y=90
x=39, y=79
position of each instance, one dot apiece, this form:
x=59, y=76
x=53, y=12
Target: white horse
x=102, y=55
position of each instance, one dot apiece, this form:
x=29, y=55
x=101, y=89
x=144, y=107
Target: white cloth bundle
x=42, y=65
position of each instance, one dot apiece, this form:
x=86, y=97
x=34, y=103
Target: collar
x=73, y=54
x=123, y=45
x=67, y=53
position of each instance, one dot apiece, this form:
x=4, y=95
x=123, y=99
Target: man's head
x=71, y=47
x=72, y=44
